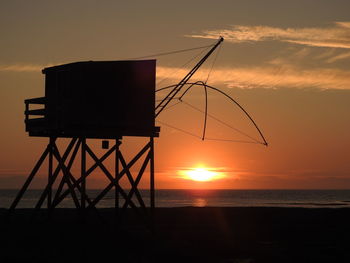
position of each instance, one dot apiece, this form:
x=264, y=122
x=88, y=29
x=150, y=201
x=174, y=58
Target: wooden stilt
x=116, y=177
x=83, y=168
x=55, y=174
x=49, y=195
x=78, y=181
x=64, y=164
x=152, y=179
x=29, y=179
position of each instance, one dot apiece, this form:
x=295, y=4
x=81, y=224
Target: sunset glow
x=201, y=174
x=287, y=63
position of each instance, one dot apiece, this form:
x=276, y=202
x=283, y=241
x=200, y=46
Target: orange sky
x=287, y=64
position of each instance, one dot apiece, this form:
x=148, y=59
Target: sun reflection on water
x=200, y=202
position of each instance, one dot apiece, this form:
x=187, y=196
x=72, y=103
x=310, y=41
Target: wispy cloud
x=342, y=56
x=274, y=76
x=343, y=24
x=334, y=36
x=23, y=67
x=278, y=74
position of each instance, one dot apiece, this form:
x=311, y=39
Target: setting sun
x=201, y=174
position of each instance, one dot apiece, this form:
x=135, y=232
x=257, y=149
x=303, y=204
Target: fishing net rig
x=178, y=91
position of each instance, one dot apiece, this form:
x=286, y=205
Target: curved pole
x=246, y=113
x=206, y=111
x=200, y=83
x=206, y=102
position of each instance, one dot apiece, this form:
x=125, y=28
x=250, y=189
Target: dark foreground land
x=238, y=235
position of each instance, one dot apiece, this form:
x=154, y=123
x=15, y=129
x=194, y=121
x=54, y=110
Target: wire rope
x=229, y=140
x=208, y=139
x=222, y=122
x=184, y=65
x=205, y=86
x=178, y=129
x=213, y=117
x=173, y=105
x=212, y=66
x=173, y=52
x=232, y=100
x=200, y=83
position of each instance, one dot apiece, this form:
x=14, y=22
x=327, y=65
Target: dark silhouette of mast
x=160, y=107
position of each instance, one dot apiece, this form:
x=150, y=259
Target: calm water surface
x=203, y=198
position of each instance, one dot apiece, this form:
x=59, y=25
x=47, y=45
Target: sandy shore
x=258, y=234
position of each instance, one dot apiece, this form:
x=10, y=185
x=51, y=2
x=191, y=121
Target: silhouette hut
x=93, y=99
x=100, y=100
x=96, y=100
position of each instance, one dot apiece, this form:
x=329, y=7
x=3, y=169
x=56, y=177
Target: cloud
x=23, y=67
x=277, y=74
x=273, y=76
x=335, y=36
x=338, y=57
x=343, y=24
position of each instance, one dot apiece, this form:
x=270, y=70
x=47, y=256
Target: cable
x=200, y=83
x=162, y=105
x=212, y=66
x=208, y=139
x=183, y=66
x=222, y=122
x=181, y=130
x=168, y=87
x=169, y=107
x=172, y=52
x=157, y=100
x=204, y=130
x=228, y=140
x=159, y=108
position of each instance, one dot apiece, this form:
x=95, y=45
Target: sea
x=205, y=198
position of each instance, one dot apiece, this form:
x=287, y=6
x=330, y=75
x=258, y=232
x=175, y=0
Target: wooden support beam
x=65, y=171
x=132, y=182
x=83, y=168
x=134, y=185
x=78, y=181
x=114, y=182
x=116, y=175
x=29, y=179
x=65, y=163
x=55, y=174
x=37, y=112
x=152, y=179
x=49, y=194
x=107, y=173
x=41, y=100
x=70, y=163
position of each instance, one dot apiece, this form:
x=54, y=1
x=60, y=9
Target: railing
x=36, y=112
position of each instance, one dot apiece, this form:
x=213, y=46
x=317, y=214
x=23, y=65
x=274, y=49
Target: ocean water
x=207, y=198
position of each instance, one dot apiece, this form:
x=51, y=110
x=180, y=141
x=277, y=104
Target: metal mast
x=160, y=107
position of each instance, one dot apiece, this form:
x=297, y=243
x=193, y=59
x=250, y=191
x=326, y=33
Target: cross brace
x=76, y=186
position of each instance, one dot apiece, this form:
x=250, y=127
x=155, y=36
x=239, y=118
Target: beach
x=187, y=234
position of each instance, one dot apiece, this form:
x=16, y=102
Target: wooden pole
x=87, y=173
x=49, y=194
x=83, y=168
x=55, y=174
x=152, y=186
x=116, y=174
x=29, y=179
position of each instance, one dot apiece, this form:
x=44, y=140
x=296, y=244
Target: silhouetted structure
x=102, y=100
x=96, y=100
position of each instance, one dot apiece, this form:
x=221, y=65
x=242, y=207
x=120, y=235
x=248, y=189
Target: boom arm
x=161, y=106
